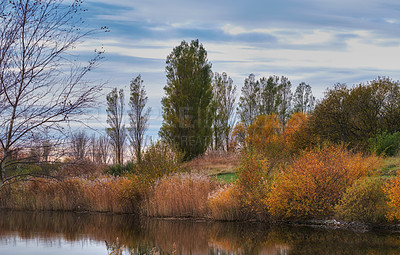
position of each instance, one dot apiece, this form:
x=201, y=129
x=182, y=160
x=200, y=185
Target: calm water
x=69, y=233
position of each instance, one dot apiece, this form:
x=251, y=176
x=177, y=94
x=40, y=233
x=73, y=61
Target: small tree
x=116, y=132
x=138, y=115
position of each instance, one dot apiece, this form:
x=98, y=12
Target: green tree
x=116, y=132
x=224, y=103
x=187, y=105
x=269, y=95
x=353, y=115
x=249, y=102
x=138, y=115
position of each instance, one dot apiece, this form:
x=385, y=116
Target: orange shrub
x=363, y=201
x=264, y=135
x=314, y=183
x=392, y=192
x=224, y=204
x=252, y=185
x=295, y=135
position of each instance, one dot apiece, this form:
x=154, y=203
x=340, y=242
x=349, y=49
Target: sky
x=318, y=42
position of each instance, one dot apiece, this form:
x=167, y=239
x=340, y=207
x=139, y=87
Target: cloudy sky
x=319, y=42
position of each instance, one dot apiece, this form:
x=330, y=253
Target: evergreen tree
x=187, y=108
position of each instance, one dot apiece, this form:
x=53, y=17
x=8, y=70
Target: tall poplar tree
x=249, y=102
x=138, y=115
x=187, y=113
x=116, y=131
x=224, y=103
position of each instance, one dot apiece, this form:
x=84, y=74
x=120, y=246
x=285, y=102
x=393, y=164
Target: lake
x=84, y=233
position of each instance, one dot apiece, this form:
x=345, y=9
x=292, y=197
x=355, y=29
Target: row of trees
x=138, y=114
x=199, y=106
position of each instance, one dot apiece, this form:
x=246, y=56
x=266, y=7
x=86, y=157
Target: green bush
x=158, y=160
x=364, y=201
x=385, y=143
x=119, y=170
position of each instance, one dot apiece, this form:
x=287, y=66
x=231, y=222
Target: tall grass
x=105, y=194
x=180, y=195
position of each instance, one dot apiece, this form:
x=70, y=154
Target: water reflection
x=70, y=233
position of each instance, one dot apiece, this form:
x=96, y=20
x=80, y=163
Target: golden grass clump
x=104, y=194
x=224, y=204
x=179, y=195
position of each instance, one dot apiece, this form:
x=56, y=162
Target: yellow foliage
x=392, y=192
x=224, y=204
x=315, y=182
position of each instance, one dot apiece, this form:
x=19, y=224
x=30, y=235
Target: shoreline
x=331, y=224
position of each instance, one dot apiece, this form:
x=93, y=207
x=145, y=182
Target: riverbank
x=330, y=183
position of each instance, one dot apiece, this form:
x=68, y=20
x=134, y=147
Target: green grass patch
x=390, y=167
x=225, y=177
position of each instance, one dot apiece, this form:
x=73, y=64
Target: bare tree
x=40, y=86
x=79, y=144
x=303, y=98
x=102, y=150
x=138, y=115
x=116, y=131
x=224, y=103
x=99, y=149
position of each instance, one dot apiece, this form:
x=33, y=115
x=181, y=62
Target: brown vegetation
x=180, y=195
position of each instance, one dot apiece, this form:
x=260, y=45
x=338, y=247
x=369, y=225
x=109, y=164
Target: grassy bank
x=329, y=183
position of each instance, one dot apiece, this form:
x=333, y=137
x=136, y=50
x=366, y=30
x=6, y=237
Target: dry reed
x=180, y=195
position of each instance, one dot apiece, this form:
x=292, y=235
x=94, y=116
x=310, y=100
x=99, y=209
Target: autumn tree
x=224, y=107
x=187, y=113
x=138, y=115
x=116, y=132
x=353, y=115
x=41, y=86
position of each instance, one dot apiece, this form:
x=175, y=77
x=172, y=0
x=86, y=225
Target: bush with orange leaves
x=296, y=135
x=275, y=141
x=245, y=199
x=392, y=192
x=264, y=135
x=314, y=183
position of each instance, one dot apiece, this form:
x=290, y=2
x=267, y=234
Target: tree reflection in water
x=125, y=234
